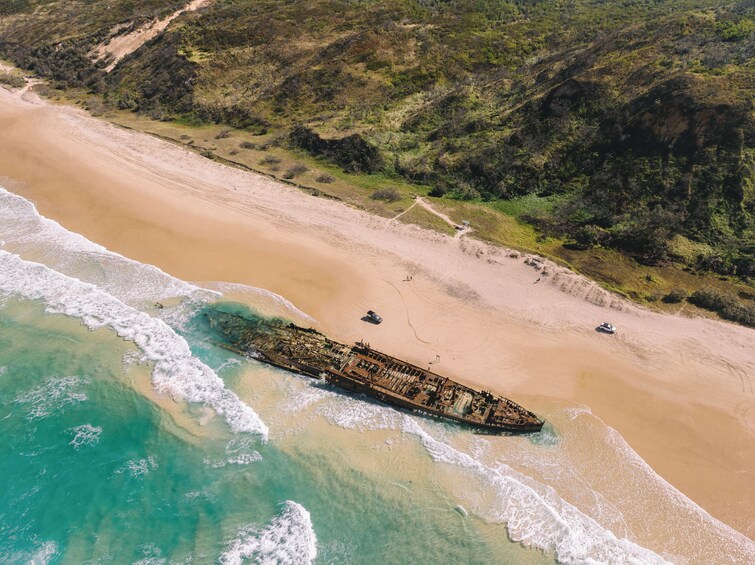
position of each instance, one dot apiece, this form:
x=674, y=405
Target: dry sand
x=679, y=390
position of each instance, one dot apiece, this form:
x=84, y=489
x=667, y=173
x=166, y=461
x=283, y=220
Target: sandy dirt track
x=118, y=45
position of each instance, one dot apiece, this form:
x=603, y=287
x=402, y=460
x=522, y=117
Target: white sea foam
x=3, y=370
x=85, y=435
x=288, y=539
x=592, y=528
x=152, y=555
x=44, y=554
x=358, y=414
x=29, y=234
x=239, y=451
x=175, y=370
x=230, y=362
x=52, y=396
x=137, y=468
x=280, y=305
x=534, y=514
x=723, y=543
x=300, y=394
x=573, y=413
x=242, y=459
x=340, y=410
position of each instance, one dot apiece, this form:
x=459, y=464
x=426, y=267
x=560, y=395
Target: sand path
x=679, y=390
x=421, y=202
x=118, y=45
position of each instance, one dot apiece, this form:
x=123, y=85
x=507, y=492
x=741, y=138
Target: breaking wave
x=26, y=232
x=175, y=370
x=287, y=540
x=534, y=514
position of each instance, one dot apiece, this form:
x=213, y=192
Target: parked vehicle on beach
x=374, y=318
x=606, y=328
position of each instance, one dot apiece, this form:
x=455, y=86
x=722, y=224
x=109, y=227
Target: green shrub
x=386, y=194
x=711, y=299
x=11, y=80
x=325, y=178
x=353, y=152
x=675, y=296
x=295, y=171
x=269, y=160
x=727, y=306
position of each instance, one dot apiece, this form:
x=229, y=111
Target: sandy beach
x=679, y=390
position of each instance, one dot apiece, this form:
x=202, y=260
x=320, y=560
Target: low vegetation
x=11, y=80
x=270, y=160
x=387, y=194
x=727, y=306
x=675, y=296
x=295, y=171
x=325, y=178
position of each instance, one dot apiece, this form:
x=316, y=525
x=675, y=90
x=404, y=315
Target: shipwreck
x=360, y=369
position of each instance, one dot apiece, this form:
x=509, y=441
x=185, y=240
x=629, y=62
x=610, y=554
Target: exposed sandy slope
x=119, y=45
x=679, y=390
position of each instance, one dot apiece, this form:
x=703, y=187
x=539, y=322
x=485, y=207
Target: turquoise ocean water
x=128, y=437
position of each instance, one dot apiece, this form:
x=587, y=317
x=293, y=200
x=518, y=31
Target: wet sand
x=680, y=391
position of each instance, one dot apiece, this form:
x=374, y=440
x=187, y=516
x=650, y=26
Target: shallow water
x=130, y=437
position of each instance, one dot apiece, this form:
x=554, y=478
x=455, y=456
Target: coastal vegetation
x=616, y=137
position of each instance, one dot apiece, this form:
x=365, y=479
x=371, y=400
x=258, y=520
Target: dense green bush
x=11, y=80
x=295, y=171
x=727, y=306
x=270, y=160
x=386, y=194
x=352, y=152
x=325, y=178
x=675, y=296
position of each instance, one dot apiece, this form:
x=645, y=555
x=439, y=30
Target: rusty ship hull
x=360, y=369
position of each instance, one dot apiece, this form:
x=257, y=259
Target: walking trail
x=419, y=201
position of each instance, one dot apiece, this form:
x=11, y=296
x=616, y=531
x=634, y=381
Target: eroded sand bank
x=679, y=390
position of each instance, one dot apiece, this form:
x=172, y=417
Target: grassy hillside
x=606, y=125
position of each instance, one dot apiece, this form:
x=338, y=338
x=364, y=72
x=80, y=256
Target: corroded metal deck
x=359, y=368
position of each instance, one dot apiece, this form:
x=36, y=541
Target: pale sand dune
x=118, y=45
x=679, y=390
